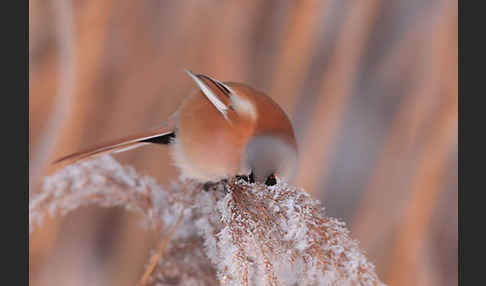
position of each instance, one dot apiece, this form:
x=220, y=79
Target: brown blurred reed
x=102, y=69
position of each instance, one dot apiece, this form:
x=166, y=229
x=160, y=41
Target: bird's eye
x=271, y=180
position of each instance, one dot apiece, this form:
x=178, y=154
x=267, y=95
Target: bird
x=221, y=130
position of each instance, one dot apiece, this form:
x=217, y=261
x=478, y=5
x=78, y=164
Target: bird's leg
x=271, y=180
x=242, y=177
x=224, y=183
x=251, y=178
x=247, y=178
x=213, y=186
x=208, y=186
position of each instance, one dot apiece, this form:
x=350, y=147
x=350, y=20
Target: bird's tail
x=161, y=135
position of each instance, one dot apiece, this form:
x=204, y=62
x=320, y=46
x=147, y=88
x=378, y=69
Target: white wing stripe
x=209, y=94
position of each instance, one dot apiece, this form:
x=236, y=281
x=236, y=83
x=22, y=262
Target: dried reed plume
x=236, y=234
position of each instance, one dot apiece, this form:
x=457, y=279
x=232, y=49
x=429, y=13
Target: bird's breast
x=207, y=147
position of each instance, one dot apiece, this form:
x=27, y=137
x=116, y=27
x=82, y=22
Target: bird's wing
x=160, y=135
x=214, y=91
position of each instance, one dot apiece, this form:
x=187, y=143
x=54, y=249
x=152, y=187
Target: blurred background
x=370, y=86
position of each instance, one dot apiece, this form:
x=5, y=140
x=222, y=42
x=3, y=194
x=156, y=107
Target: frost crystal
x=248, y=234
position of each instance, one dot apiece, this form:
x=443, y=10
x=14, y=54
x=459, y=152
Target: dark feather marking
x=164, y=139
x=220, y=87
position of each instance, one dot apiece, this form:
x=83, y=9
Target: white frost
x=250, y=235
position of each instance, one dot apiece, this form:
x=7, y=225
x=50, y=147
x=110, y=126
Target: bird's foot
x=247, y=178
x=221, y=186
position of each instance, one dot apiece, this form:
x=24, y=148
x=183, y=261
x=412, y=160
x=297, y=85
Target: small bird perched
x=223, y=130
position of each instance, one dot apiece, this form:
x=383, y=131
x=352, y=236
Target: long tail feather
x=161, y=135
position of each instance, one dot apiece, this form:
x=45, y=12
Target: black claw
x=207, y=186
x=247, y=178
x=225, y=189
x=251, y=177
x=242, y=177
x=271, y=180
x=214, y=186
